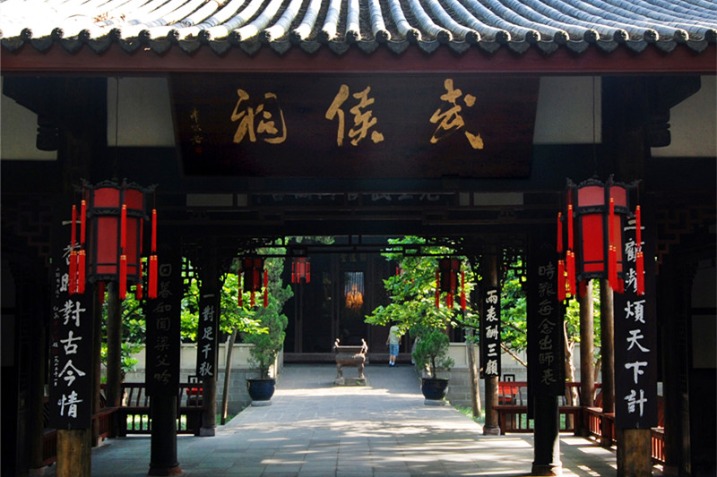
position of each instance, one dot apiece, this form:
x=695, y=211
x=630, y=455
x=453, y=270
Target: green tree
x=412, y=293
x=268, y=339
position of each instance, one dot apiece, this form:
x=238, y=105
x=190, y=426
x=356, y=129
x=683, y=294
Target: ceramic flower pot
x=260, y=390
x=434, y=388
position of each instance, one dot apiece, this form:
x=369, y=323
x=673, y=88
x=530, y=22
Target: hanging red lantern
x=300, y=270
x=252, y=269
x=447, y=279
x=115, y=214
x=598, y=210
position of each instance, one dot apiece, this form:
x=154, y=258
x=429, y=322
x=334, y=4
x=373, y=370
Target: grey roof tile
x=366, y=25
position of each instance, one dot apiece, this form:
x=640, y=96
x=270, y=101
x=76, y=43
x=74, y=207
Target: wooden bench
x=351, y=356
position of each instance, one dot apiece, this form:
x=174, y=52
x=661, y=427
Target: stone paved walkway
x=316, y=429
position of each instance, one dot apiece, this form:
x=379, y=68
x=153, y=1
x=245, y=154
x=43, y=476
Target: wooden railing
x=133, y=416
x=513, y=416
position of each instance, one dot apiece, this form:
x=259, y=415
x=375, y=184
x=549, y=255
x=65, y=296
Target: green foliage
x=133, y=333
x=412, y=304
x=431, y=351
x=268, y=337
x=231, y=316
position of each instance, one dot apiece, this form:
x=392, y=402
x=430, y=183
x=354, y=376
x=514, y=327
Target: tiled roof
x=367, y=25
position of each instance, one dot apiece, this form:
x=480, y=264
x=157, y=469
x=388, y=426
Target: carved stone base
x=342, y=381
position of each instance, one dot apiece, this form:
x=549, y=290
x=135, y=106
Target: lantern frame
x=106, y=244
x=596, y=213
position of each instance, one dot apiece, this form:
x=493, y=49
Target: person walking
x=393, y=341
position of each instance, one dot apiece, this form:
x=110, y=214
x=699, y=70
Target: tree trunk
x=571, y=395
x=473, y=371
x=227, y=375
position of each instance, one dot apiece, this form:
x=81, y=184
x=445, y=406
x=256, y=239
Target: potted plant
x=267, y=344
x=430, y=354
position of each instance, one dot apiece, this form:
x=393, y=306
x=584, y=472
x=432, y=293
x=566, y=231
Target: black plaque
x=490, y=333
x=635, y=348
x=163, y=327
x=355, y=125
x=545, y=317
x=71, y=369
x=207, y=335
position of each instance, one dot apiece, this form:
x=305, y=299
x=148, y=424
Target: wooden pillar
x=163, y=356
x=674, y=301
x=74, y=446
x=547, y=436
x=207, y=337
x=163, y=457
x=634, y=453
x=37, y=373
x=607, y=351
x=97, y=361
x=491, y=426
x=587, y=349
x=546, y=359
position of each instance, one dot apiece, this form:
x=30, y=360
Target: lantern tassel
x=559, y=247
x=152, y=277
x=153, y=248
x=266, y=288
x=81, y=270
x=570, y=268
x=640, y=272
x=72, y=282
x=83, y=221
x=571, y=237
x=438, y=290
x=123, y=277
x=308, y=272
x=640, y=257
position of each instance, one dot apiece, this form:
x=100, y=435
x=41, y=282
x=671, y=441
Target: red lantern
x=599, y=210
x=300, y=270
x=447, y=279
x=115, y=214
x=252, y=269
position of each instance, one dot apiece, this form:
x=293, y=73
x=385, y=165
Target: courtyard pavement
x=316, y=429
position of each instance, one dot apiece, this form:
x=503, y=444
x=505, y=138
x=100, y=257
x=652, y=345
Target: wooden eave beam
x=621, y=61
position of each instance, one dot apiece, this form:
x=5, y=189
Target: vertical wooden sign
x=207, y=335
x=545, y=318
x=163, y=327
x=71, y=369
x=635, y=348
x=490, y=333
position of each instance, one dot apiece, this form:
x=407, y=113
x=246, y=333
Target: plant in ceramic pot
x=268, y=340
x=430, y=354
x=263, y=354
